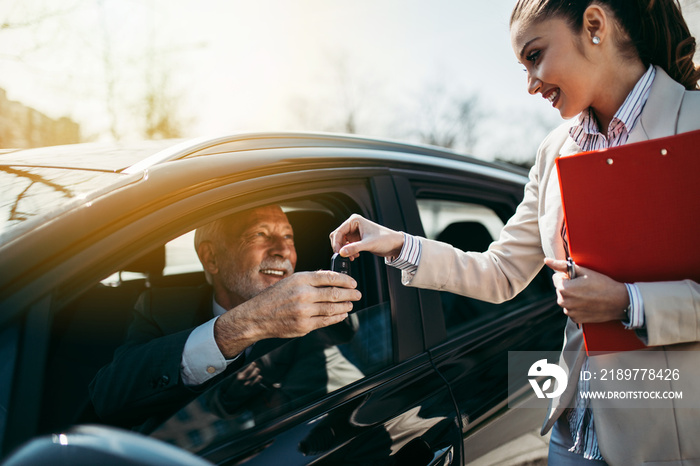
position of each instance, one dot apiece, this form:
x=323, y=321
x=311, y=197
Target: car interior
x=86, y=332
x=460, y=310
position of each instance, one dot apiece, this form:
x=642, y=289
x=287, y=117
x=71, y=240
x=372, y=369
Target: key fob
x=340, y=264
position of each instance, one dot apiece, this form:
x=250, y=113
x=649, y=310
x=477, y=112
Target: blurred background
x=439, y=72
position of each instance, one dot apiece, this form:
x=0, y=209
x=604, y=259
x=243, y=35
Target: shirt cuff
x=409, y=258
x=635, y=311
x=202, y=359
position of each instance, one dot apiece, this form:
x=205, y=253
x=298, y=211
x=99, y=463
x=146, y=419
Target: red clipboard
x=633, y=213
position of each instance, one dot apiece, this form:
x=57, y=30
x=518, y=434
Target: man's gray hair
x=214, y=233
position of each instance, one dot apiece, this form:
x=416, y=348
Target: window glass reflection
x=471, y=227
x=284, y=375
x=9, y=337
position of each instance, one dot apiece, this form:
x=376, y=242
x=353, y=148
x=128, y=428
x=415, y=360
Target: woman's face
x=555, y=64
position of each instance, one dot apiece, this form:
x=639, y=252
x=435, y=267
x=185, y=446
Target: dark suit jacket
x=142, y=387
x=142, y=383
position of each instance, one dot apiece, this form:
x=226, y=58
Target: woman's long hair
x=654, y=30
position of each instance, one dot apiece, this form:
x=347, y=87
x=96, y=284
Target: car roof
x=39, y=184
x=134, y=156
x=97, y=156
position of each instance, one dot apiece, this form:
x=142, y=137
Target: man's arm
x=292, y=308
x=144, y=378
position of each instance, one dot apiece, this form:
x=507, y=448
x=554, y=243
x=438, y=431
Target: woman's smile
x=552, y=96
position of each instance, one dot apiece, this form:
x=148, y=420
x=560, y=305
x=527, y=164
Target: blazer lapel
x=660, y=115
x=569, y=148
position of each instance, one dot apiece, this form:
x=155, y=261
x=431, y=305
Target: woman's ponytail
x=661, y=37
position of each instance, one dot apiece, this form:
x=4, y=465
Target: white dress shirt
x=202, y=359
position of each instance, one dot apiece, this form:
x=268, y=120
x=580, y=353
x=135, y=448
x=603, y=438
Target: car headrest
x=467, y=236
x=311, y=230
x=151, y=263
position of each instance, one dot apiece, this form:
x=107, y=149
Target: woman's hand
x=591, y=296
x=358, y=234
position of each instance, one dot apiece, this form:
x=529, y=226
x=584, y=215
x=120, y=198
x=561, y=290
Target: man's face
x=258, y=252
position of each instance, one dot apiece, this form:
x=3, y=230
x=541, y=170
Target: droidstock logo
x=542, y=368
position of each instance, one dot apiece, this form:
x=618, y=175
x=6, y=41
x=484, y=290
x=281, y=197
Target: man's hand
x=249, y=376
x=291, y=308
x=358, y=234
x=591, y=296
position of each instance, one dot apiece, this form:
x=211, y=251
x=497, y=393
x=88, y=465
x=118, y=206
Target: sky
x=231, y=66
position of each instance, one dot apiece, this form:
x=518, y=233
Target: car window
x=180, y=256
x=437, y=215
x=279, y=377
x=9, y=338
x=287, y=377
x=89, y=330
x=177, y=257
x=470, y=226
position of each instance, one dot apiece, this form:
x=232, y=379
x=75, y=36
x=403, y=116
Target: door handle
x=443, y=457
x=417, y=452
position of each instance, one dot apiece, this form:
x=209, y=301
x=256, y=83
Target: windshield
x=111, y=157
x=31, y=193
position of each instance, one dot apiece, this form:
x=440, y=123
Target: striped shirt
x=409, y=258
x=588, y=137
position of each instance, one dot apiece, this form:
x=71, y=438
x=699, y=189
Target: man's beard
x=248, y=284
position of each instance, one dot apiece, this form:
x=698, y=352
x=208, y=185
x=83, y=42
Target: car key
x=340, y=264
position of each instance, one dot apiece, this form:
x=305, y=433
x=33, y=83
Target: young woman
x=622, y=72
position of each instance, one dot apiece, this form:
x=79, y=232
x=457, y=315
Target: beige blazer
x=665, y=436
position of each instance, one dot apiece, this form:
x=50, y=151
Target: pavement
x=527, y=450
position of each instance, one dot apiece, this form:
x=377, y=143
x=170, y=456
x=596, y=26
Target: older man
x=184, y=339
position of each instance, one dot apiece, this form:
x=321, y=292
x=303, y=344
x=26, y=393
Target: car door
x=397, y=411
x=399, y=406
x=469, y=340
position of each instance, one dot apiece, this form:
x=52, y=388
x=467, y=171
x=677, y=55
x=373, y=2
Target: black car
x=87, y=228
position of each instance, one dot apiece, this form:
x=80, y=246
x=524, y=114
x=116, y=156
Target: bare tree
x=346, y=103
x=526, y=129
x=20, y=17
x=160, y=107
x=110, y=72
x=127, y=82
x=349, y=100
x=448, y=120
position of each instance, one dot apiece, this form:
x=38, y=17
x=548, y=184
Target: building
x=23, y=127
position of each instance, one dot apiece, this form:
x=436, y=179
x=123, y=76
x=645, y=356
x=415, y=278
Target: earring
x=596, y=40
